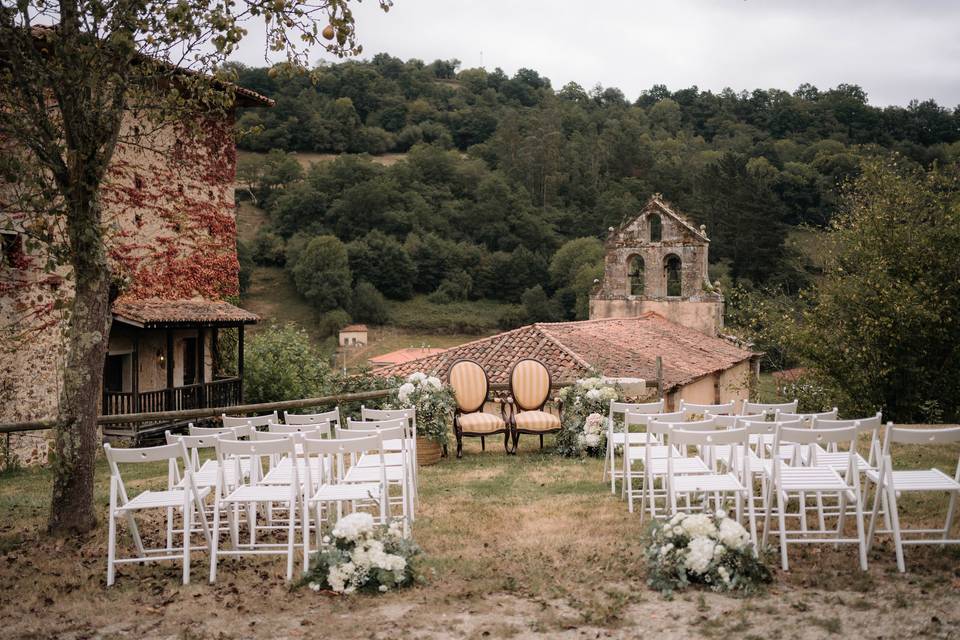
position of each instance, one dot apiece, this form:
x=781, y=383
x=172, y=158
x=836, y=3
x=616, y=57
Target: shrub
x=269, y=248
x=331, y=323
x=539, y=307
x=455, y=287
x=280, y=363
x=369, y=305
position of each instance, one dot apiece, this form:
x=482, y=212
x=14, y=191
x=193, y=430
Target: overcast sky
x=895, y=49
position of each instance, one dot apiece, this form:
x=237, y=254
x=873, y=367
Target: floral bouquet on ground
x=585, y=406
x=708, y=549
x=433, y=401
x=359, y=555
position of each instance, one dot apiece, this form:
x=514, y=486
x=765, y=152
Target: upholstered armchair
x=529, y=392
x=471, y=387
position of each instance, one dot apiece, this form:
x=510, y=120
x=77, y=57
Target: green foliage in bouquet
x=585, y=406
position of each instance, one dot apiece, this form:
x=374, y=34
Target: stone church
x=657, y=262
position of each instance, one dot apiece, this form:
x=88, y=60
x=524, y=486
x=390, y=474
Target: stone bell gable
x=657, y=261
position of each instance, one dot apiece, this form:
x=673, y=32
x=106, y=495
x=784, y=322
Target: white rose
x=593, y=395
x=403, y=393
x=699, y=555
x=592, y=440
x=434, y=382
x=732, y=534
x=698, y=525
x=417, y=377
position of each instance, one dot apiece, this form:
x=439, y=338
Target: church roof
x=616, y=347
x=656, y=201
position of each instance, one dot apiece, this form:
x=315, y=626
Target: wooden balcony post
x=135, y=373
x=202, y=365
x=170, y=406
x=240, y=361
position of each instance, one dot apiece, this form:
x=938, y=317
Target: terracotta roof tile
x=617, y=347
x=153, y=312
x=403, y=355
x=354, y=327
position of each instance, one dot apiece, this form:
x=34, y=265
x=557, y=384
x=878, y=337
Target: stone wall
x=169, y=209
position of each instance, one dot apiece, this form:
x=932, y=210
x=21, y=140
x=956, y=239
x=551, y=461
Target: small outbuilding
x=353, y=335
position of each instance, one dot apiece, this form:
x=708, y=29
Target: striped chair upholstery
x=530, y=388
x=470, y=388
x=469, y=383
x=537, y=421
x=530, y=384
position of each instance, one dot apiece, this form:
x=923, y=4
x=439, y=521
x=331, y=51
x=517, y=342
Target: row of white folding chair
x=891, y=484
x=398, y=462
x=410, y=418
x=638, y=447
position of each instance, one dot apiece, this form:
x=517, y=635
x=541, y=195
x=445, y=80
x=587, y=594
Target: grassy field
x=308, y=159
x=514, y=546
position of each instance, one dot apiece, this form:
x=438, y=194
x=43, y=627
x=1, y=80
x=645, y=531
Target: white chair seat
x=207, y=477
x=396, y=444
x=282, y=472
x=923, y=480
x=839, y=461
x=335, y=492
x=372, y=474
x=619, y=438
x=658, y=466
x=373, y=460
x=638, y=452
x=259, y=493
x=155, y=499
x=810, y=479
x=707, y=482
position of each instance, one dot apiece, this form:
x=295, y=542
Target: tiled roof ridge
x=573, y=354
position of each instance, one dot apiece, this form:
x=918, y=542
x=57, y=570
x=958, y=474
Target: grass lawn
x=526, y=546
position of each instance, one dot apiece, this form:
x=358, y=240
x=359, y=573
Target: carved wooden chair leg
x=541, y=441
x=483, y=443
x=506, y=441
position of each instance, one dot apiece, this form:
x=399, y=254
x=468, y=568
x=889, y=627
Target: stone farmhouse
x=169, y=206
x=654, y=301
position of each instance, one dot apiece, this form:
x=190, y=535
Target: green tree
x=383, y=262
x=321, y=273
x=369, y=305
x=539, y=307
x=280, y=363
x=64, y=94
x=883, y=327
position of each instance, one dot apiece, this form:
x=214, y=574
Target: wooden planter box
x=428, y=451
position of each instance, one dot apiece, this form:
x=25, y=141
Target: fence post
x=659, y=377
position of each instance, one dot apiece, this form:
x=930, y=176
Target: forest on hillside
x=509, y=184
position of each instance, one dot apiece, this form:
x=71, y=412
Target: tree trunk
x=76, y=437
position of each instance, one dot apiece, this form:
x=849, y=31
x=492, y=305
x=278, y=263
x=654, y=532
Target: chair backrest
x=208, y=431
x=321, y=429
x=470, y=385
x=530, y=384
x=753, y=408
x=202, y=441
x=410, y=415
x=682, y=437
x=374, y=425
x=271, y=447
x=174, y=453
x=901, y=435
x=337, y=454
x=395, y=431
x=727, y=422
x=726, y=408
x=803, y=435
x=328, y=417
x=658, y=426
x=807, y=418
x=617, y=408
x=252, y=421
x=863, y=425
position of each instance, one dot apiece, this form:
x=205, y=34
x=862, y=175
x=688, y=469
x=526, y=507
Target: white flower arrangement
x=585, y=405
x=359, y=555
x=433, y=401
x=709, y=549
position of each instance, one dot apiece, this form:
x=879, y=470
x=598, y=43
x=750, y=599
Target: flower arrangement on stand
x=708, y=549
x=586, y=404
x=434, y=403
x=360, y=555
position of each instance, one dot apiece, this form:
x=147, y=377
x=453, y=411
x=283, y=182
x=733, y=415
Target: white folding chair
x=618, y=438
x=331, y=417
x=365, y=467
x=185, y=499
x=251, y=492
x=892, y=483
x=767, y=408
x=703, y=410
x=250, y=421
x=655, y=460
x=786, y=480
x=808, y=418
x=335, y=456
x=736, y=482
x=410, y=415
x=635, y=451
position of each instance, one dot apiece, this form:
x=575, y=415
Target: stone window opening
x=673, y=269
x=635, y=272
x=656, y=227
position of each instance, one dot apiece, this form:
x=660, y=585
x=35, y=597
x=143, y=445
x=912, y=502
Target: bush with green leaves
x=280, y=363
x=331, y=322
x=369, y=305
